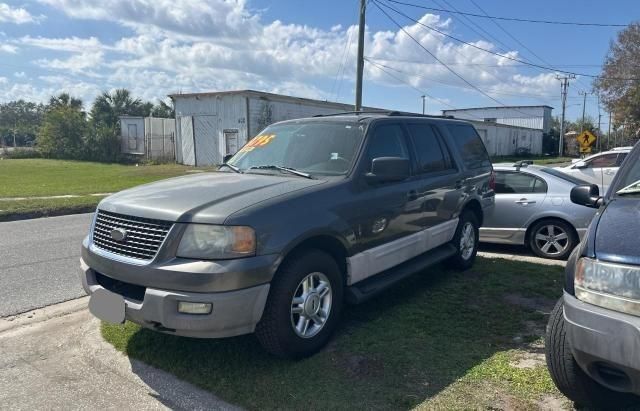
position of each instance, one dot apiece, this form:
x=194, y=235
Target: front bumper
x=605, y=343
x=234, y=312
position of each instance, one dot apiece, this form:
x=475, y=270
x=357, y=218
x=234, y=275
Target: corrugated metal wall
x=132, y=135
x=529, y=117
x=159, y=136
x=186, y=148
x=502, y=140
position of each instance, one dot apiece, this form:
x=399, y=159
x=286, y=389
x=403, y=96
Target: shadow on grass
x=395, y=351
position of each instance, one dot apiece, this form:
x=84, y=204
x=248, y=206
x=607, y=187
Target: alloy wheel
x=311, y=305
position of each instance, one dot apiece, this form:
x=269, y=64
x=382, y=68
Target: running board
x=372, y=286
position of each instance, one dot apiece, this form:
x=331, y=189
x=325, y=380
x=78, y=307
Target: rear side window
x=468, y=142
x=606, y=160
x=518, y=183
x=432, y=156
x=566, y=177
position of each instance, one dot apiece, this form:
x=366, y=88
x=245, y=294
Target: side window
x=606, y=160
x=518, y=183
x=432, y=156
x=468, y=142
x=386, y=141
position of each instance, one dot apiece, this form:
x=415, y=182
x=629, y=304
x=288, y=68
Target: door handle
x=524, y=201
x=412, y=195
x=609, y=172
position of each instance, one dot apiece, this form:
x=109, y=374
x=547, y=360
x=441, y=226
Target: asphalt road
x=39, y=262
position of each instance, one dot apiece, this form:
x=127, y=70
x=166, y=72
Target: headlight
x=609, y=285
x=210, y=242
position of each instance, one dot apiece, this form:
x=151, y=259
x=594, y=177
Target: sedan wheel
x=552, y=239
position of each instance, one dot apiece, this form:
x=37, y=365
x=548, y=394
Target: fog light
x=186, y=307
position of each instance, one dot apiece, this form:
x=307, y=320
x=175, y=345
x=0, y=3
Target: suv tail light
x=492, y=180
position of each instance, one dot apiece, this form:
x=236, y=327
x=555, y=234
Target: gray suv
x=307, y=215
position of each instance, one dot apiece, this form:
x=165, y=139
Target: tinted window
x=620, y=159
x=563, y=176
x=606, y=160
x=472, y=150
x=431, y=154
x=386, y=141
x=511, y=183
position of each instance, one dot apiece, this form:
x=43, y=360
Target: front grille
x=127, y=290
x=143, y=235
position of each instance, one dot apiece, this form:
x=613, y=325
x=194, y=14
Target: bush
x=62, y=133
x=102, y=144
x=20, y=152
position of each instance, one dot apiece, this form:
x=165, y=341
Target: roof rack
x=391, y=113
x=523, y=163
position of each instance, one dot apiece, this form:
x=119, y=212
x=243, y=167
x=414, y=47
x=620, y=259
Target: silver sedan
x=533, y=208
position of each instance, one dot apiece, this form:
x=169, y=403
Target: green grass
x=440, y=339
x=540, y=160
x=41, y=177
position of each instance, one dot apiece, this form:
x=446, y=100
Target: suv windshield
x=315, y=147
x=629, y=184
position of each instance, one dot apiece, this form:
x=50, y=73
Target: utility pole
x=360, y=65
x=584, y=103
x=609, y=133
x=599, y=120
x=424, y=103
x=564, y=86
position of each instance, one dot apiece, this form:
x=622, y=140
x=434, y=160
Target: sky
x=307, y=49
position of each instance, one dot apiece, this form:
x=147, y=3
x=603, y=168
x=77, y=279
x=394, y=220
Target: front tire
x=567, y=375
x=465, y=240
x=303, y=307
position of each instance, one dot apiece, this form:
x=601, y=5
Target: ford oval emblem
x=119, y=234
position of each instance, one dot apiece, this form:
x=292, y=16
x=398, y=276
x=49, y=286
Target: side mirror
x=580, y=164
x=226, y=158
x=387, y=169
x=587, y=195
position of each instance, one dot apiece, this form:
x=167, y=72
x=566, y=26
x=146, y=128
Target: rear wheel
x=303, y=307
x=567, y=375
x=552, y=239
x=465, y=240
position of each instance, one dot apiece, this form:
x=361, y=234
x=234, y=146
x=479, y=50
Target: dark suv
x=308, y=214
x=593, y=336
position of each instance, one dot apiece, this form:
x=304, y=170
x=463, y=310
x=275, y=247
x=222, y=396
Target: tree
x=622, y=97
x=62, y=133
x=64, y=100
x=107, y=107
x=163, y=110
x=19, y=122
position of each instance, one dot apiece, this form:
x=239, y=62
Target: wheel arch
x=328, y=243
x=474, y=206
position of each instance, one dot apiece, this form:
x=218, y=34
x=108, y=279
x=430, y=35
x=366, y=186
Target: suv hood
x=203, y=197
x=617, y=233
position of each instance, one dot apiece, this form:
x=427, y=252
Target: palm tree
x=65, y=100
x=107, y=107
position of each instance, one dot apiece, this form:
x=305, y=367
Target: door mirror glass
x=580, y=164
x=587, y=195
x=388, y=169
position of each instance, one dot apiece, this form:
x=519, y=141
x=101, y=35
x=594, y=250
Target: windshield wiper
x=287, y=169
x=232, y=167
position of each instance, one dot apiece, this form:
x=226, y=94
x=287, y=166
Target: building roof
x=497, y=108
x=265, y=95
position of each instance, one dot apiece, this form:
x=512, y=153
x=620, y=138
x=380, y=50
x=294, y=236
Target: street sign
x=586, y=140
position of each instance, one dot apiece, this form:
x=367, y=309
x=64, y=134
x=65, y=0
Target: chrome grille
x=143, y=239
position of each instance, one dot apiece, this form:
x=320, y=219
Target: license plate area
x=107, y=306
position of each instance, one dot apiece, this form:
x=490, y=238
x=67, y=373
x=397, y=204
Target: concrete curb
x=43, y=314
x=522, y=258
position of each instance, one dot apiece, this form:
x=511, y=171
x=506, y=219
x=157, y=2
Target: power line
x=567, y=23
x=342, y=67
x=457, y=63
x=375, y=3
x=378, y=3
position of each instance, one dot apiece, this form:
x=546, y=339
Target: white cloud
x=81, y=63
x=3, y=80
x=19, y=74
x=73, y=44
x=18, y=15
x=8, y=48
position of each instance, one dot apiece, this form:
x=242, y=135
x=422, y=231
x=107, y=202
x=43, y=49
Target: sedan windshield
x=312, y=147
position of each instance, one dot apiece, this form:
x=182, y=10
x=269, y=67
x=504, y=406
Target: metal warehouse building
x=211, y=125
x=536, y=117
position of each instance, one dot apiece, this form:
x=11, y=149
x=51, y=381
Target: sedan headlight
x=609, y=285
x=211, y=242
